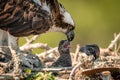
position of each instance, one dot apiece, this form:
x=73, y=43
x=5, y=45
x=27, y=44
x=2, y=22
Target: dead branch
x=15, y=59
x=34, y=46
x=76, y=54
x=44, y=54
x=3, y=64
x=31, y=40
x=27, y=39
x=73, y=71
x=110, y=47
x=50, y=69
x=57, y=69
x=118, y=48
x=9, y=76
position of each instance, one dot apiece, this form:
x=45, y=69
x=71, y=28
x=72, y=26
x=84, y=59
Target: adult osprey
x=32, y=17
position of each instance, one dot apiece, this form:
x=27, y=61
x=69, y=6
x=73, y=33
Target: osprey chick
x=65, y=59
x=92, y=49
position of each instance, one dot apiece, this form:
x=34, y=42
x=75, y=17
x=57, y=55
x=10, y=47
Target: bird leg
x=11, y=54
x=3, y=40
x=17, y=55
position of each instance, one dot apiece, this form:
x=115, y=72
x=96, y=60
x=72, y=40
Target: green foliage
x=41, y=76
x=28, y=71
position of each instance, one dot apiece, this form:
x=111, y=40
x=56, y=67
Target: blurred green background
x=96, y=22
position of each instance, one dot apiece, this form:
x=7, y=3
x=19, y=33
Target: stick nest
x=107, y=66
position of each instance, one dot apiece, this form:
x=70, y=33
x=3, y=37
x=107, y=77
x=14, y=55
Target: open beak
x=67, y=44
x=70, y=35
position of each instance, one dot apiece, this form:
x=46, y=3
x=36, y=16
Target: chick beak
x=67, y=45
x=70, y=35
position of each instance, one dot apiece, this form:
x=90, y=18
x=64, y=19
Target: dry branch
x=3, y=64
x=16, y=60
x=34, y=46
x=6, y=76
x=110, y=47
x=9, y=76
x=44, y=54
x=56, y=69
x=73, y=71
x=76, y=54
x=31, y=40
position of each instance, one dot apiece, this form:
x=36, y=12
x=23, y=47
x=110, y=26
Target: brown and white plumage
x=31, y=17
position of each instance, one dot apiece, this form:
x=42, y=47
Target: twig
x=15, y=59
x=18, y=57
x=53, y=50
x=73, y=71
x=50, y=69
x=27, y=39
x=33, y=46
x=115, y=47
x=76, y=54
x=32, y=40
x=110, y=47
x=8, y=76
x=3, y=64
x=57, y=69
x=118, y=48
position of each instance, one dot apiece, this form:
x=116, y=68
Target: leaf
x=28, y=71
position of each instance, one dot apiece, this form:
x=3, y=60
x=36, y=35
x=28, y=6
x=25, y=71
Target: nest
x=107, y=66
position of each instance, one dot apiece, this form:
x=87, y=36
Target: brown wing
x=23, y=17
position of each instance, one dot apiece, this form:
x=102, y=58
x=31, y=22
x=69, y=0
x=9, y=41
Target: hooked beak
x=70, y=35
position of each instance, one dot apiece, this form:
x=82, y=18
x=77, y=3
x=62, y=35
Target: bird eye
x=66, y=25
x=70, y=27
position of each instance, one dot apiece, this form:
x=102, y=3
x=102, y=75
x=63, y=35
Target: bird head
x=63, y=21
x=64, y=46
x=68, y=23
x=91, y=50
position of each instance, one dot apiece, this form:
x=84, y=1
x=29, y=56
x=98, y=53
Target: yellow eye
x=70, y=27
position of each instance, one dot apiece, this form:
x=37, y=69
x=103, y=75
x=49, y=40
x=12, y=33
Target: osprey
x=65, y=59
x=92, y=49
x=32, y=17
